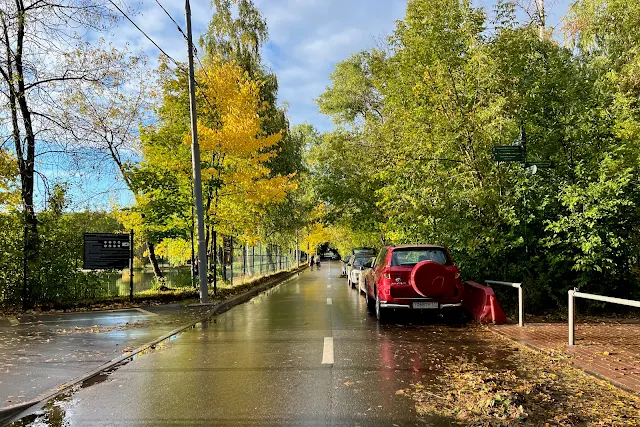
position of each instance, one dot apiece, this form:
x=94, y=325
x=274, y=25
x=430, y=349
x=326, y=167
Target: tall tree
x=237, y=33
x=40, y=58
x=236, y=37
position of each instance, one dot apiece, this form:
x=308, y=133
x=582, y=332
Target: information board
x=106, y=251
x=509, y=153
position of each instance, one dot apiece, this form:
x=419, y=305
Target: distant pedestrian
x=311, y=261
x=318, y=263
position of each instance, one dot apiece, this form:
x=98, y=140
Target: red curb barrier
x=481, y=302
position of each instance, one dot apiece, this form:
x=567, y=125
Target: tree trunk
x=154, y=262
x=26, y=161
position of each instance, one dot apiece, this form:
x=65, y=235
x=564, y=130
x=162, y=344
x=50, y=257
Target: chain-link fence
x=250, y=262
x=233, y=267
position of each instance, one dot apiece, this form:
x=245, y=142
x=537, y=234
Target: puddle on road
x=53, y=413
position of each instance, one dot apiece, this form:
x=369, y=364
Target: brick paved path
x=611, y=351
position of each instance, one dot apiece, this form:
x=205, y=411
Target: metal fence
x=249, y=262
x=520, y=296
x=574, y=293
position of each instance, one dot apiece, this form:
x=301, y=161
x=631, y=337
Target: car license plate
x=425, y=304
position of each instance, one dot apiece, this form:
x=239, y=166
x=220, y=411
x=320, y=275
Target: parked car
x=412, y=277
x=335, y=257
x=355, y=262
x=363, y=274
x=345, y=263
x=357, y=267
x=363, y=251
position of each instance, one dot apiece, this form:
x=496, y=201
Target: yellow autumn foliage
x=316, y=235
x=231, y=135
x=176, y=251
x=9, y=194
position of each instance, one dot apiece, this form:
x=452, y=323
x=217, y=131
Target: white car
x=363, y=273
x=354, y=268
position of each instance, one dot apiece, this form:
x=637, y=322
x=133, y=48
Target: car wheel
x=368, y=300
x=353, y=285
x=379, y=315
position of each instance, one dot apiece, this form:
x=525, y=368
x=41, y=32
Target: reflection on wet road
x=304, y=353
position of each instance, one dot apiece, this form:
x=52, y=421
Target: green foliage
x=10, y=258
x=354, y=93
x=59, y=276
x=420, y=168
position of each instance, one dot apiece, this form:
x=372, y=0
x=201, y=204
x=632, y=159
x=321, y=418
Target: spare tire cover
x=430, y=279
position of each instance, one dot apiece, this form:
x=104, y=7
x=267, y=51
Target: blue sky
x=307, y=38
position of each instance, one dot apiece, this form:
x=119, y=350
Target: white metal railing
x=520, y=297
x=574, y=293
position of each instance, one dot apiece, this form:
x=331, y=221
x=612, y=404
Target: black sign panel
x=541, y=165
x=106, y=251
x=508, y=153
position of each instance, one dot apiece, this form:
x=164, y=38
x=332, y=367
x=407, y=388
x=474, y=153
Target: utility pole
x=195, y=161
x=297, y=251
x=541, y=17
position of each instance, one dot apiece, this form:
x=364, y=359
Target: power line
x=195, y=50
x=181, y=67
x=145, y=34
x=174, y=21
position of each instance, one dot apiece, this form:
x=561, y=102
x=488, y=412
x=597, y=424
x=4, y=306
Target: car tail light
x=386, y=274
x=457, y=275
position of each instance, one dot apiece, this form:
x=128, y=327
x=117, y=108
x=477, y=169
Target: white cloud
x=308, y=37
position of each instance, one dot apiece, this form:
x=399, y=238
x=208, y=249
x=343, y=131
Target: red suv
x=413, y=277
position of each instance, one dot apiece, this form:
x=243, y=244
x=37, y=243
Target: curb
x=9, y=413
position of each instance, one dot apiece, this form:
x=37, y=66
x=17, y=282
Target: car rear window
x=364, y=251
x=412, y=256
x=360, y=261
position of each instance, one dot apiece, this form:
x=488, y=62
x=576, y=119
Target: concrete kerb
x=15, y=412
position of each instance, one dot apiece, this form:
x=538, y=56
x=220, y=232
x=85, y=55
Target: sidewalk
x=40, y=352
x=608, y=350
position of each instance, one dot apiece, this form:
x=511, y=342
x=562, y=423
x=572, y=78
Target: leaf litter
x=526, y=388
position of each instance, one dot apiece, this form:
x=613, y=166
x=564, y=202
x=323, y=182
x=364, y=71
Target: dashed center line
x=328, y=286
x=142, y=310
x=13, y=321
x=327, y=351
x=329, y=302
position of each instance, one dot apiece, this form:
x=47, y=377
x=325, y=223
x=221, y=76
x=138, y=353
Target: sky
x=306, y=39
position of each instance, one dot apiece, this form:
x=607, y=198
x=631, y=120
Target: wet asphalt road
x=261, y=363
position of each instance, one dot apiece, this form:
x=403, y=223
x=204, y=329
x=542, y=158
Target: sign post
x=131, y=268
x=107, y=251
